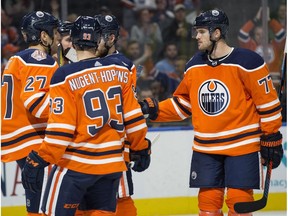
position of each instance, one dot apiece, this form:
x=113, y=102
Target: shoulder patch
x=38, y=55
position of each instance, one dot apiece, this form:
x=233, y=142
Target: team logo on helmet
x=213, y=97
x=215, y=12
x=39, y=14
x=108, y=18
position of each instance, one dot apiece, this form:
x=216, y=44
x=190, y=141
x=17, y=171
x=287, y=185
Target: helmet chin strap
x=209, y=52
x=213, y=46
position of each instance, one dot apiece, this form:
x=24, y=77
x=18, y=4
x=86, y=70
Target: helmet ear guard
x=212, y=20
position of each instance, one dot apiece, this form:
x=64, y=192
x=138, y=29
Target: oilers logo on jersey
x=213, y=97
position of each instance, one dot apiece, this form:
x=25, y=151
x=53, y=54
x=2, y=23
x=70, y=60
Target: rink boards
x=163, y=188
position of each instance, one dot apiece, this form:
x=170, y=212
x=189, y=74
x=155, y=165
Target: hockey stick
x=247, y=207
x=155, y=139
x=59, y=55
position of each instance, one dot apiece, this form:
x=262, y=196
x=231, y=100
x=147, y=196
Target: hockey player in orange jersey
x=236, y=115
x=109, y=35
x=65, y=52
x=93, y=107
x=25, y=102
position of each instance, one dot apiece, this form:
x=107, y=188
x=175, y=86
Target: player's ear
x=112, y=38
x=44, y=37
x=216, y=34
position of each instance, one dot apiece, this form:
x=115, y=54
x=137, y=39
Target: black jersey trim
x=227, y=139
x=175, y=99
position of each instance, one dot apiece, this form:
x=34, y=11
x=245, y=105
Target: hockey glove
x=141, y=159
x=271, y=148
x=149, y=107
x=33, y=172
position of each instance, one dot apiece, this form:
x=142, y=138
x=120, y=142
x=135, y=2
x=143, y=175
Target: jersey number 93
x=100, y=107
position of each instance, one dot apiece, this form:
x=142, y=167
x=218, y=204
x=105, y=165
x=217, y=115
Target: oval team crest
x=213, y=97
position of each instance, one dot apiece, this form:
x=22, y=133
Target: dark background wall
x=238, y=11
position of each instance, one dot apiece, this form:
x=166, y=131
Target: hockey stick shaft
x=268, y=177
x=155, y=139
x=247, y=207
x=59, y=55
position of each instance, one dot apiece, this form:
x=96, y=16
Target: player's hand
x=149, y=107
x=271, y=148
x=141, y=159
x=33, y=172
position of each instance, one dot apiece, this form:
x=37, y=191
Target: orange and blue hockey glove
x=33, y=172
x=141, y=159
x=149, y=107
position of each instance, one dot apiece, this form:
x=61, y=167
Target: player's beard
x=207, y=47
x=53, y=48
x=103, y=52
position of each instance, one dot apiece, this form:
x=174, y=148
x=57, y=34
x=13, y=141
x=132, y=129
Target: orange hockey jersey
x=125, y=185
x=131, y=67
x=24, y=102
x=127, y=63
x=93, y=106
x=232, y=102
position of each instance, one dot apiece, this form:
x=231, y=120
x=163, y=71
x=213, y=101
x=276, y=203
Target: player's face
x=203, y=38
x=54, y=43
x=66, y=42
x=101, y=50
